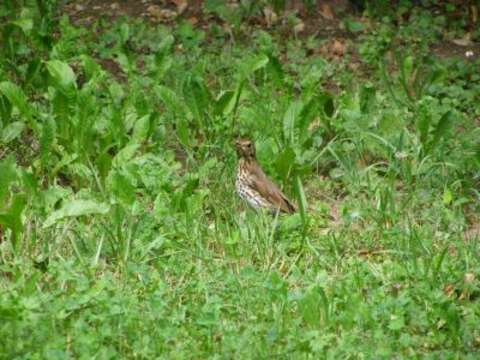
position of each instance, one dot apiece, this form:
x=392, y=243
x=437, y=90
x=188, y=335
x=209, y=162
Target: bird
x=253, y=186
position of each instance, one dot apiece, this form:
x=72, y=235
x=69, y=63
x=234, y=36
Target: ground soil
x=324, y=22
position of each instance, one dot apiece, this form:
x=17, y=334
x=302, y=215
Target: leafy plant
x=121, y=235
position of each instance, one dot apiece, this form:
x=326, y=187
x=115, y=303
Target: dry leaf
x=160, y=14
x=335, y=215
x=326, y=12
x=449, y=290
x=440, y=324
x=461, y=42
x=364, y=252
x=168, y=14
x=270, y=16
x=469, y=278
x=354, y=66
x=154, y=10
x=181, y=5
x=477, y=340
x=474, y=10
x=315, y=124
x=465, y=41
x=338, y=48
x=473, y=232
x=323, y=49
x=193, y=20
x=300, y=27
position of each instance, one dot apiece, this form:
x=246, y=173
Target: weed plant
x=120, y=232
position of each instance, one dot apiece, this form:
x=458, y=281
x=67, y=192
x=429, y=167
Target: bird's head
x=245, y=148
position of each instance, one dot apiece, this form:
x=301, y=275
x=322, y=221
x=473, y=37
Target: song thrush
x=252, y=184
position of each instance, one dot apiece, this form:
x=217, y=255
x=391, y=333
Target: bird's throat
x=246, y=162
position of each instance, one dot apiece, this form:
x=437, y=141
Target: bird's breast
x=248, y=194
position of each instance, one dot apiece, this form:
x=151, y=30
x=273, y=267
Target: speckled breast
x=251, y=196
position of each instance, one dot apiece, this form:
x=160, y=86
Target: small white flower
x=469, y=53
x=400, y=155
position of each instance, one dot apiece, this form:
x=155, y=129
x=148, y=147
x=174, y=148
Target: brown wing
x=270, y=191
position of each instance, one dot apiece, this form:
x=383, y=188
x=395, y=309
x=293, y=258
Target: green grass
x=120, y=232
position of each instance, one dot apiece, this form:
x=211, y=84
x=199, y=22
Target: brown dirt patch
x=448, y=49
x=323, y=22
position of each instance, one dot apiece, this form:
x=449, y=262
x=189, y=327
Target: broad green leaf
x=238, y=93
x=275, y=68
x=182, y=131
x=423, y=120
x=289, y=121
x=8, y=174
x=104, y=164
x=213, y=5
x=225, y=102
x=407, y=66
x=65, y=160
x=90, y=66
x=390, y=123
x=53, y=195
x=12, y=131
x=62, y=105
x=367, y=98
x=129, y=116
x=116, y=92
x=284, y=162
x=170, y=99
x=276, y=287
x=15, y=96
x=163, y=62
x=124, y=155
x=12, y=216
x=141, y=129
x=307, y=114
x=196, y=97
x=396, y=323
x=353, y=26
x=302, y=199
x=310, y=306
x=447, y=196
x=125, y=62
x=442, y=128
x=30, y=182
x=328, y=105
x=166, y=44
x=253, y=64
x=62, y=75
x=33, y=70
x=26, y=24
x=124, y=32
x=189, y=36
x=122, y=188
x=259, y=62
x=5, y=109
x=75, y=208
x=46, y=140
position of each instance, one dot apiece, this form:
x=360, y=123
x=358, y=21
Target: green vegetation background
x=121, y=235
